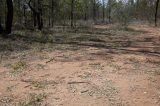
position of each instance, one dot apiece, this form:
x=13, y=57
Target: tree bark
x=9, y=16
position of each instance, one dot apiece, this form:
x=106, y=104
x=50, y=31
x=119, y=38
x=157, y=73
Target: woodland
x=79, y=52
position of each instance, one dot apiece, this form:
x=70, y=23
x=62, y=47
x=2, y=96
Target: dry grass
x=98, y=65
x=33, y=100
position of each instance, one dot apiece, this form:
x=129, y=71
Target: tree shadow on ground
x=122, y=40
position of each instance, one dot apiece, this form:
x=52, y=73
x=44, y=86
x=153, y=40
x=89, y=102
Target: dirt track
x=105, y=68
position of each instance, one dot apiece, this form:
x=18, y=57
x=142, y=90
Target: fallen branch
x=84, y=91
x=50, y=60
x=26, y=81
x=77, y=82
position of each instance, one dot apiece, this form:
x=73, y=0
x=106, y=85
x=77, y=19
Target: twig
x=50, y=60
x=26, y=81
x=84, y=91
x=77, y=82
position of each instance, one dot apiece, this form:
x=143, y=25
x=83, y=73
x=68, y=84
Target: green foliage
x=122, y=13
x=58, y=12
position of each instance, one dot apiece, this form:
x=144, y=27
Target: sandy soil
x=121, y=68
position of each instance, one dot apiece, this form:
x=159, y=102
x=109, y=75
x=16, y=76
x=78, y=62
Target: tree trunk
x=19, y=12
x=103, y=10
x=52, y=12
x=85, y=13
x=86, y=4
x=41, y=16
x=49, y=21
x=1, y=28
x=109, y=15
x=24, y=14
x=34, y=14
x=39, y=21
x=109, y=10
x=72, y=14
x=9, y=16
x=156, y=13
x=38, y=14
x=94, y=10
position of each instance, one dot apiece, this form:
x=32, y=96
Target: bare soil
x=103, y=66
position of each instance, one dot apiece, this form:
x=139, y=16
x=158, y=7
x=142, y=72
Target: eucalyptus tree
x=110, y=5
x=72, y=12
x=156, y=13
x=103, y=1
x=38, y=13
x=9, y=18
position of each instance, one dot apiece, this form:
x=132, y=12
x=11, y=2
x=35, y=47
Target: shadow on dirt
x=116, y=40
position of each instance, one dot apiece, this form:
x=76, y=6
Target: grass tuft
x=33, y=100
x=18, y=67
